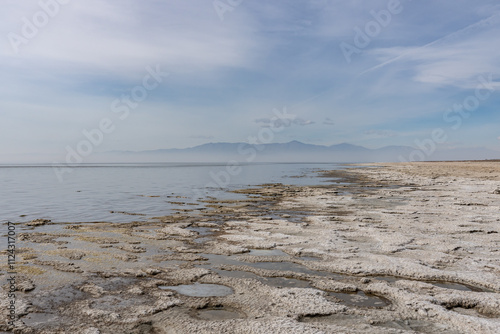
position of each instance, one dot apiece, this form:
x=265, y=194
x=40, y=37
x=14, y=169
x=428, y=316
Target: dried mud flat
x=394, y=248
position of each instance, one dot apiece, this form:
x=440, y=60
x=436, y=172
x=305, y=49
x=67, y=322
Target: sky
x=144, y=75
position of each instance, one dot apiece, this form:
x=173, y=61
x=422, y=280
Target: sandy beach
x=384, y=248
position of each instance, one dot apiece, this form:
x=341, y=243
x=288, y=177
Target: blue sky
x=231, y=63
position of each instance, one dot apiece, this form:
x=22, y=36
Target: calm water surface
x=91, y=192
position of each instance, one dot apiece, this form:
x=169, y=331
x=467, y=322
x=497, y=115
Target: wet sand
x=386, y=248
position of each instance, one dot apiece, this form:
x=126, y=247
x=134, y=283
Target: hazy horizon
x=245, y=153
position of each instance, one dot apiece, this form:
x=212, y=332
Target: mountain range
x=296, y=151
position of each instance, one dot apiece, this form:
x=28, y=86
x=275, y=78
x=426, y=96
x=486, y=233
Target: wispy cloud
x=450, y=60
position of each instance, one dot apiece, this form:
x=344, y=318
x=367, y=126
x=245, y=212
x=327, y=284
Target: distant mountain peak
x=292, y=151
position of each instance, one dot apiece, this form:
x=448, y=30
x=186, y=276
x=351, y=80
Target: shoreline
x=419, y=239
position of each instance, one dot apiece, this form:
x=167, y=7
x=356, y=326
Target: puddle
x=237, y=274
x=201, y=290
x=419, y=326
x=337, y=319
x=309, y=258
x=202, y=240
x=290, y=266
x=360, y=299
x=441, y=284
x=267, y=252
x=456, y=286
x=218, y=313
x=36, y=319
x=216, y=260
x=285, y=282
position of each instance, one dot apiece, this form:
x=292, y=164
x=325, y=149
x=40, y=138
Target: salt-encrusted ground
x=399, y=248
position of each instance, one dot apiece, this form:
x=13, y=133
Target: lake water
x=91, y=192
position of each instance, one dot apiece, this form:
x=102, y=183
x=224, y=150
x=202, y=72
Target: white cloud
x=453, y=60
x=118, y=37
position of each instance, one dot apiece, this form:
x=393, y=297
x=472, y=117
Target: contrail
x=478, y=24
x=481, y=23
